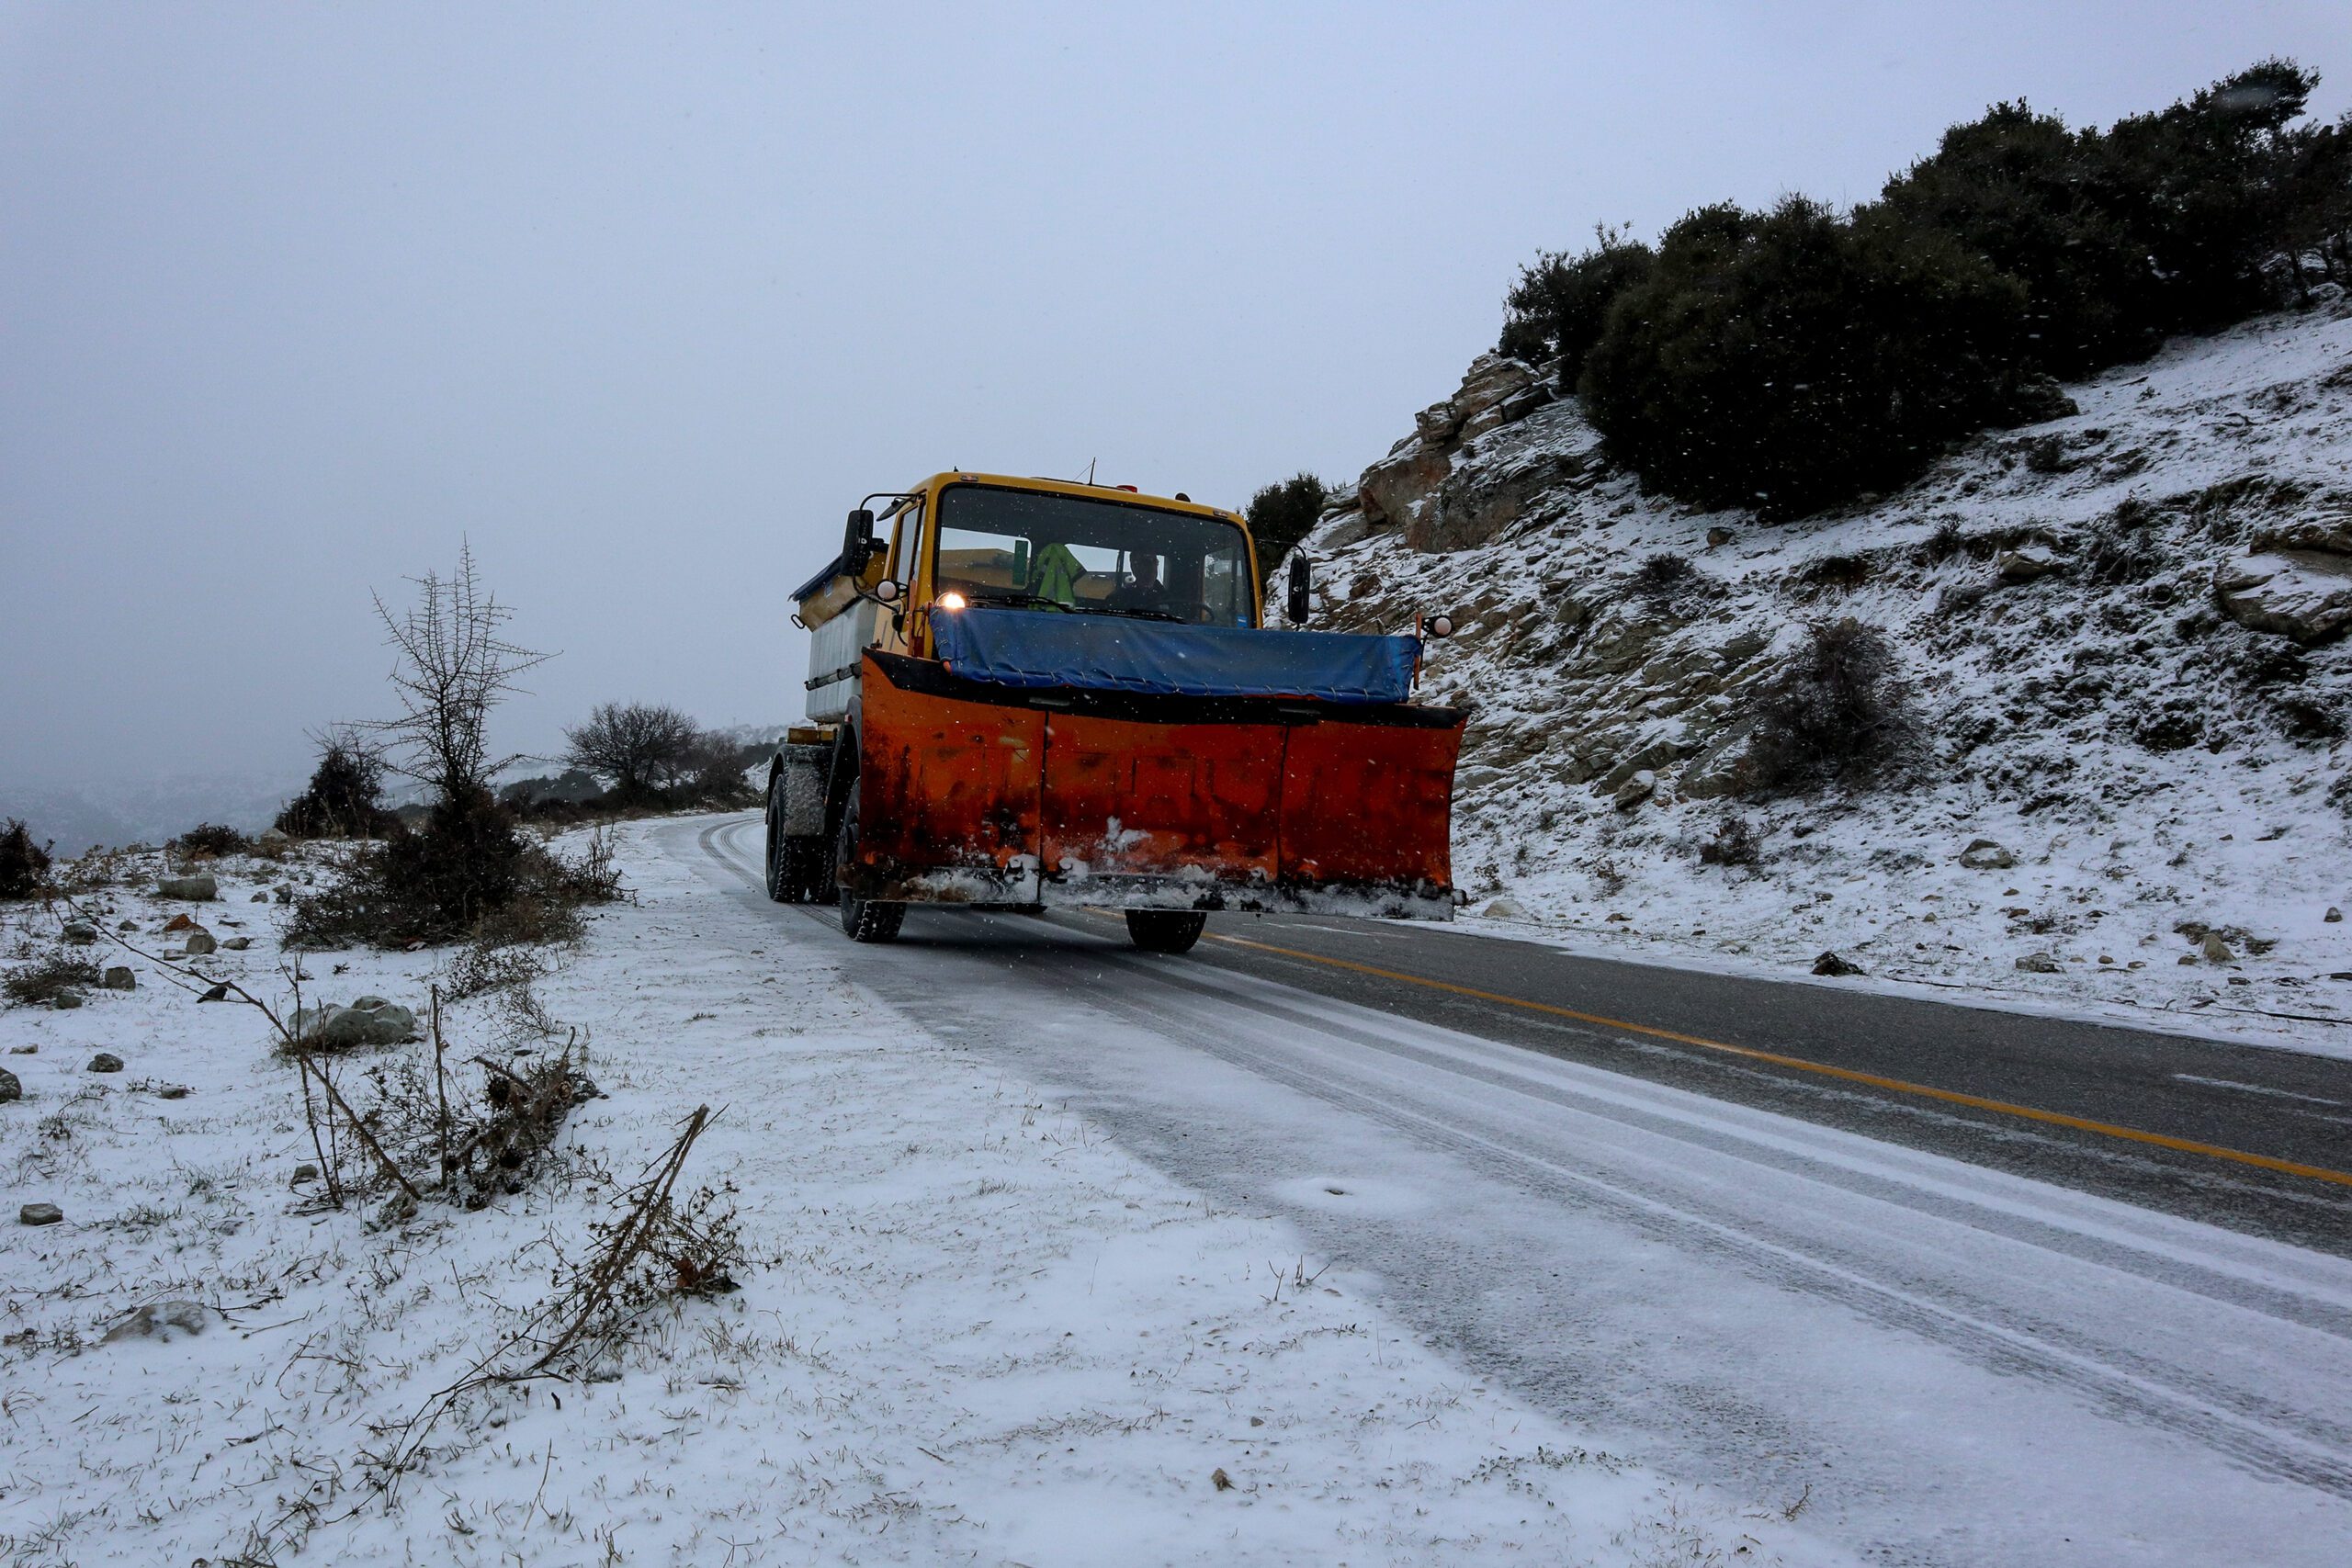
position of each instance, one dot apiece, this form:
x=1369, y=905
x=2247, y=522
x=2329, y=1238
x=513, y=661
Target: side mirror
x=1296, y=606
x=857, y=543
x=1439, y=625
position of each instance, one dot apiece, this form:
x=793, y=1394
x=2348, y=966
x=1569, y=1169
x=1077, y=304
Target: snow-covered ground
x=975, y=1330
x=2151, y=769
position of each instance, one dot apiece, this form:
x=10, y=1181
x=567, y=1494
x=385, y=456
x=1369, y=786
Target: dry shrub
x=24, y=865
x=37, y=984
x=1736, y=842
x=467, y=873
x=1663, y=576
x=1839, y=711
x=208, y=841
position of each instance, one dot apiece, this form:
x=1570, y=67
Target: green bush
x=1788, y=360
x=24, y=865
x=1560, y=304
x=2171, y=221
x=344, y=796
x=1282, y=514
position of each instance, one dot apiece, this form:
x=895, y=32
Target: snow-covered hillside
x=2123, y=632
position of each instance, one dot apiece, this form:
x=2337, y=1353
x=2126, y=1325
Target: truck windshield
x=1014, y=546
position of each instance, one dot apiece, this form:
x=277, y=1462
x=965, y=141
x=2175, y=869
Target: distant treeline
x=1792, y=359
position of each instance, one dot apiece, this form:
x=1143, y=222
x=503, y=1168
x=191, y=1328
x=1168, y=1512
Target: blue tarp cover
x=1105, y=653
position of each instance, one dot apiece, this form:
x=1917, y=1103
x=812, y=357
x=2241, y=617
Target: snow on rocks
x=200, y=887
x=974, y=1330
x=162, y=1322
x=40, y=1214
x=2146, y=725
x=11, y=1087
x=370, y=1021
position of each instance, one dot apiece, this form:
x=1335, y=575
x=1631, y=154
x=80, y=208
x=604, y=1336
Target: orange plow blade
x=979, y=794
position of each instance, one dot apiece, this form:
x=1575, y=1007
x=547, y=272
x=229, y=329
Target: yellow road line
x=1899, y=1085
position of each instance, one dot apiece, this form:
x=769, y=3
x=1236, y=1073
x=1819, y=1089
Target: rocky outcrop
x=2303, y=594
x=1435, y=500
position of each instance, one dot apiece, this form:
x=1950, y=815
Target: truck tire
x=863, y=920
x=782, y=886
x=1165, y=931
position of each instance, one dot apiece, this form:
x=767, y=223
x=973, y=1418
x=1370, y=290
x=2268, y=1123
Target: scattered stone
x=199, y=888
x=2185, y=958
x=219, y=993
x=201, y=941
x=306, y=1171
x=1718, y=537
x=171, y=1091
x=284, y=892
x=2305, y=595
x=258, y=898
x=272, y=837
x=1635, y=790
x=2039, y=963
x=105, y=1061
x=66, y=999
x=24, y=1050
x=81, y=934
x=119, y=977
x=126, y=925
x=40, y=1214
x=236, y=944
x=1983, y=854
x=2333, y=917
x=160, y=1321
x=2216, y=950
x=2028, y=564
x=1830, y=964
x=1499, y=909
x=9, y=1088
x=370, y=1020
x=178, y=923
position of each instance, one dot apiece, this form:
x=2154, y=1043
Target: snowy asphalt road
x=1702, y=1257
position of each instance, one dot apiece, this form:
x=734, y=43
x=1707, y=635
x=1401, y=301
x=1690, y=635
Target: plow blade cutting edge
x=973, y=793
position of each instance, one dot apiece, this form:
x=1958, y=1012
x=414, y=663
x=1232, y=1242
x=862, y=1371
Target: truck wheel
x=782, y=886
x=865, y=919
x=1165, y=931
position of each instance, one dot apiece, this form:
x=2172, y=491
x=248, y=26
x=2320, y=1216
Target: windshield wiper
x=1136, y=614
x=977, y=597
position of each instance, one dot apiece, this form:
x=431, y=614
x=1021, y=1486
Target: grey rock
x=9, y=1088
x=24, y=1050
x=1983, y=854
x=2215, y=949
x=81, y=934
x=2040, y=964
x=119, y=977
x=2334, y=916
x=370, y=1021
x=306, y=1171
x=1504, y=909
x=171, y=1091
x=236, y=944
x=201, y=941
x=66, y=999
x=126, y=925
x=219, y=993
x=1718, y=537
x=272, y=837
x=258, y=898
x=1831, y=965
x=1727, y=765
x=1635, y=790
x=198, y=888
x=162, y=1322
x=40, y=1214
x=2028, y=564
x=105, y=1061
x=283, y=892
x=2305, y=595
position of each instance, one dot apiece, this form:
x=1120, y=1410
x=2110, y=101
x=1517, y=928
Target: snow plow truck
x=1026, y=694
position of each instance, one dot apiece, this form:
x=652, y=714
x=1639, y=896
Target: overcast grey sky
x=643, y=297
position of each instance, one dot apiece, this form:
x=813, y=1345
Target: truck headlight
x=950, y=600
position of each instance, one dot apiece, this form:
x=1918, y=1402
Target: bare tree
x=454, y=666
x=637, y=745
